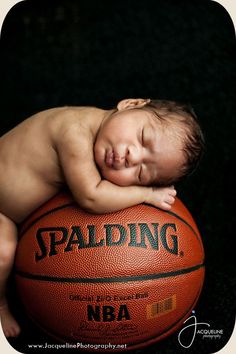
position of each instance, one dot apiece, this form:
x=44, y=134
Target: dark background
x=87, y=52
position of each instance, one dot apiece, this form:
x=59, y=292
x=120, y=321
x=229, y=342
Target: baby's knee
x=8, y=228
x=8, y=240
x=7, y=256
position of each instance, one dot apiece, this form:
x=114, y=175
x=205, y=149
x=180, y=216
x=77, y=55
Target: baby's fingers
x=172, y=191
x=170, y=199
x=165, y=206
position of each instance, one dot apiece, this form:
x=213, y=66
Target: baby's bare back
x=30, y=170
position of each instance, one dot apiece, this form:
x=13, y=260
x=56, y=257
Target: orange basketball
x=128, y=278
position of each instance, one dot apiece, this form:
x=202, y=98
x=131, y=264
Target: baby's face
x=133, y=148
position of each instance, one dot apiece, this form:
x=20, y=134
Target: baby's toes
x=16, y=330
x=11, y=332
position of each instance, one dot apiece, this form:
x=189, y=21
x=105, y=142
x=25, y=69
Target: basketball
x=126, y=279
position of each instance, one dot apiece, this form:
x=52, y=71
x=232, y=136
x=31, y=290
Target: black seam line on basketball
x=109, y=279
x=51, y=211
x=184, y=221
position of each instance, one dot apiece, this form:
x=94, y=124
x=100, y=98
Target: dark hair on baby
x=187, y=127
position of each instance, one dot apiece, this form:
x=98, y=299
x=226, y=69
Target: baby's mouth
x=109, y=159
x=114, y=160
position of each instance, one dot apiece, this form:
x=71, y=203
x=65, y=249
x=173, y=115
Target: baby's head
x=148, y=142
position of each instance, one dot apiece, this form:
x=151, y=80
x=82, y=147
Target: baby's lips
x=109, y=158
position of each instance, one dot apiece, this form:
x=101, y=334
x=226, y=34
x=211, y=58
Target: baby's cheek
x=119, y=177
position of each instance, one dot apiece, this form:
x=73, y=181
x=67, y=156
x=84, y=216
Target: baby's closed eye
x=144, y=175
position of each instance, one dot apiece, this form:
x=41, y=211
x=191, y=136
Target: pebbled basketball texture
x=128, y=278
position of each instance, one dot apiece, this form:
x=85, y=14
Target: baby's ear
x=130, y=103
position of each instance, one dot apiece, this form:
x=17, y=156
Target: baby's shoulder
x=76, y=119
x=71, y=125
x=73, y=115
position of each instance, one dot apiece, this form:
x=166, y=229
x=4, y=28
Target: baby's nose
x=133, y=156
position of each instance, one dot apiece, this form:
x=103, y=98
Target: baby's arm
x=95, y=194
x=108, y=197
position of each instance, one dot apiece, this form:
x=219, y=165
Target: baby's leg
x=8, y=242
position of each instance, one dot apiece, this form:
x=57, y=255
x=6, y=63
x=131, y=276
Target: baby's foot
x=162, y=197
x=9, y=325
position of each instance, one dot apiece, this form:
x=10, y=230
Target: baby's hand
x=162, y=197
